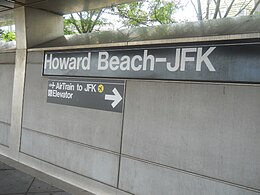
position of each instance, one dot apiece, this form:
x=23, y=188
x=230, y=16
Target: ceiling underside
x=60, y=6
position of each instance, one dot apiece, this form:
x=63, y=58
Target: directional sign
x=116, y=98
x=95, y=94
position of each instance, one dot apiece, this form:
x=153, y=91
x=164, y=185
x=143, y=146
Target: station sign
x=95, y=94
x=224, y=63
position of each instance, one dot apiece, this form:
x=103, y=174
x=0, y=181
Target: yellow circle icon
x=101, y=88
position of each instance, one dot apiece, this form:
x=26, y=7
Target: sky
x=187, y=13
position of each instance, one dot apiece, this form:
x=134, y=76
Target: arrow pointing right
x=52, y=85
x=116, y=98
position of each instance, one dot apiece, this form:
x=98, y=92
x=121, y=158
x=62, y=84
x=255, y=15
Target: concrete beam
x=62, y=7
x=32, y=27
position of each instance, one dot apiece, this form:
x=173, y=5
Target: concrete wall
x=177, y=138
x=84, y=141
x=7, y=61
x=206, y=129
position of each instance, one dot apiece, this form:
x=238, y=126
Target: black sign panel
x=95, y=94
x=226, y=63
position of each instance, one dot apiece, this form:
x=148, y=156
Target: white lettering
x=204, y=58
x=72, y=65
x=47, y=61
x=125, y=64
x=55, y=63
x=145, y=60
x=78, y=62
x=177, y=62
x=64, y=95
x=114, y=63
x=184, y=57
x=133, y=66
x=102, y=60
x=86, y=66
x=90, y=88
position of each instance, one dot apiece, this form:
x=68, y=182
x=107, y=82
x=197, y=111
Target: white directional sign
x=95, y=94
x=116, y=98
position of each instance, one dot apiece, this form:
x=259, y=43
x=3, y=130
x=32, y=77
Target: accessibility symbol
x=101, y=88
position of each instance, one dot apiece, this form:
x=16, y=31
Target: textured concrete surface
x=147, y=179
x=14, y=182
x=4, y=133
x=87, y=126
x=6, y=83
x=92, y=163
x=207, y=129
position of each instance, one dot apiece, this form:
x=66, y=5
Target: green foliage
x=162, y=11
x=132, y=14
x=7, y=36
x=68, y=27
x=84, y=22
x=147, y=13
x=141, y=13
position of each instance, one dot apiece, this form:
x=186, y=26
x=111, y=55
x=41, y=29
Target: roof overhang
x=60, y=7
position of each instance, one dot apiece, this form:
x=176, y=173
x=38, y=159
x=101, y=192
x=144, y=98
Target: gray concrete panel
x=6, y=87
x=7, y=58
x=93, y=127
x=35, y=57
x=68, y=181
x=4, y=133
x=91, y=163
x=36, y=26
x=145, y=179
x=42, y=26
x=208, y=129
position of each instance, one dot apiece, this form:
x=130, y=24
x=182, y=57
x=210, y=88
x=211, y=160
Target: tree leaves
x=147, y=13
x=163, y=12
x=141, y=13
x=7, y=36
x=154, y=12
x=83, y=22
